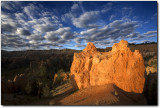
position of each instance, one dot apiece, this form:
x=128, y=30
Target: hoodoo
x=119, y=66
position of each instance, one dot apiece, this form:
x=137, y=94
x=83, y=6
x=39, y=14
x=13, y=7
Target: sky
x=44, y=25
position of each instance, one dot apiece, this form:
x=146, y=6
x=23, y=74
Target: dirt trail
x=96, y=95
x=99, y=95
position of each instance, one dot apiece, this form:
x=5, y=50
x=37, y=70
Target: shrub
x=154, y=62
x=28, y=88
x=60, y=71
x=59, y=79
x=46, y=91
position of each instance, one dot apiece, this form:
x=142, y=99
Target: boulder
x=119, y=66
x=20, y=82
x=150, y=69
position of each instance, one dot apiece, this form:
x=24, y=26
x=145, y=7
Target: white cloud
x=150, y=34
x=81, y=6
x=31, y=27
x=67, y=35
x=8, y=27
x=106, y=9
x=61, y=33
x=111, y=17
x=10, y=5
x=13, y=41
x=67, y=17
x=31, y=10
x=51, y=36
x=89, y=31
x=74, y=7
x=5, y=16
x=146, y=41
x=133, y=35
x=126, y=11
x=79, y=39
x=34, y=26
x=86, y=20
x=35, y=37
x=20, y=16
x=42, y=28
x=118, y=29
x=79, y=45
x=21, y=31
x=74, y=12
x=116, y=23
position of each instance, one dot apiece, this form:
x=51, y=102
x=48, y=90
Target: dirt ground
x=102, y=95
x=66, y=95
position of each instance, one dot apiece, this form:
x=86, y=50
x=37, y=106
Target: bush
x=28, y=88
x=46, y=91
x=60, y=71
x=38, y=80
x=59, y=79
x=154, y=62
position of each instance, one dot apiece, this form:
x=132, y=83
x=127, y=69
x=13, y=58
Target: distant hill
x=13, y=60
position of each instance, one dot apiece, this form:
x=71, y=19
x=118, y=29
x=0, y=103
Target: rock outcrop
x=18, y=84
x=119, y=66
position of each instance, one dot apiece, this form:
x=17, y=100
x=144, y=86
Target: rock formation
x=20, y=82
x=6, y=86
x=119, y=66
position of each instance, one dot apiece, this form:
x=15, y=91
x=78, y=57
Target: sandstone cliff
x=119, y=66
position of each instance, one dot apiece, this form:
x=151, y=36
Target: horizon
x=77, y=49
x=47, y=25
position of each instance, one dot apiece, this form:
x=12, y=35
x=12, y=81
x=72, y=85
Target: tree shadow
x=129, y=98
x=74, y=88
x=58, y=97
x=73, y=82
x=150, y=88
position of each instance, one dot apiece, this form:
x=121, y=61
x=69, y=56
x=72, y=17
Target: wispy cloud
x=111, y=17
x=81, y=6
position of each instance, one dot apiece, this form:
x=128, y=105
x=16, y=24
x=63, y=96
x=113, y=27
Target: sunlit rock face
x=119, y=66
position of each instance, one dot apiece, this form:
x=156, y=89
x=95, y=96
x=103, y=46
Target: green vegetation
x=154, y=63
x=28, y=88
x=39, y=82
x=60, y=71
x=60, y=78
x=40, y=79
x=46, y=91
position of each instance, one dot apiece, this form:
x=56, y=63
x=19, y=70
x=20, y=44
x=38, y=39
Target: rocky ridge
x=119, y=66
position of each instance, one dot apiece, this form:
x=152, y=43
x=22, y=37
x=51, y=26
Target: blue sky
x=42, y=25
